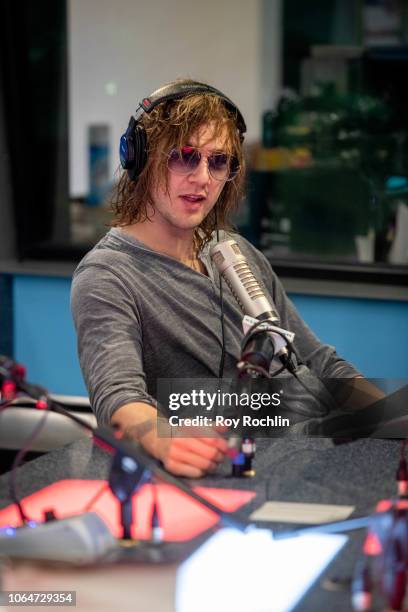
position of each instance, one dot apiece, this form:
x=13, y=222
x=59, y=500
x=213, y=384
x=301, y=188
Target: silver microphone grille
x=233, y=267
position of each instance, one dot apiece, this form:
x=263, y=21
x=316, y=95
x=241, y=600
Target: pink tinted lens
x=184, y=161
x=219, y=165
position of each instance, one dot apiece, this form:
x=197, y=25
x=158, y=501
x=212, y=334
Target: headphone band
x=183, y=90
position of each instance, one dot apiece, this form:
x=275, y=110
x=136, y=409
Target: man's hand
x=192, y=452
x=192, y=456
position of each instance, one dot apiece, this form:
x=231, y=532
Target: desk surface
x=314, y=470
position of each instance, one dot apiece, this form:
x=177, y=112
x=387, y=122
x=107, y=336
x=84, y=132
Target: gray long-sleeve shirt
x=141, y=316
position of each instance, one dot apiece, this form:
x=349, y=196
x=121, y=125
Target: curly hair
x=170, y=125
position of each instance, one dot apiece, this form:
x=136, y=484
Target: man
x=146, y=300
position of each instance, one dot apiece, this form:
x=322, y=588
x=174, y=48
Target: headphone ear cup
x=133, y=149
x=127, y=146
x=126, y=152
x=140, y=152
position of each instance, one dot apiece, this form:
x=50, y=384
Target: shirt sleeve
x=110, y=345
x=322, y=359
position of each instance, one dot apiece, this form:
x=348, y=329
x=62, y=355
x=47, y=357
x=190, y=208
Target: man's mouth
x=190, y=197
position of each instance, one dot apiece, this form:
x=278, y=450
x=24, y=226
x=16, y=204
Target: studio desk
x=313, y=471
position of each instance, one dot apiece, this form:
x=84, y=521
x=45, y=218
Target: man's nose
x=202, y=172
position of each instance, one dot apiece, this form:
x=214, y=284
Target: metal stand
x=257, y=353
x=126, y=476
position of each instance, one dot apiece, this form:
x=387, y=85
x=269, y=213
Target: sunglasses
x=221, y=166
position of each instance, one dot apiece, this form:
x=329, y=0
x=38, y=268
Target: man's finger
x=220, y=443
x=200, y=447
x=182, y=469
x=184, y=455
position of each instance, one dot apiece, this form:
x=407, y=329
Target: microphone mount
x=263, y=341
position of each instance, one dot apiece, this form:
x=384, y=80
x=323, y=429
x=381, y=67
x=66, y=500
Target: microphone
x=233, y=267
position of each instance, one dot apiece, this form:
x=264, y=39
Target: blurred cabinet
x=315, y=212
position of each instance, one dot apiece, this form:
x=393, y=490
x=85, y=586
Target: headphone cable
x=222, y=360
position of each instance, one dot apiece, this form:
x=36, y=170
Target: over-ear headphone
x=133, y=143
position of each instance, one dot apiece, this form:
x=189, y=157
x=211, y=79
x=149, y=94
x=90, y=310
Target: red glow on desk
x=181, y=517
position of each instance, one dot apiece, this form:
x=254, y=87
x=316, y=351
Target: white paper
x=300, y=513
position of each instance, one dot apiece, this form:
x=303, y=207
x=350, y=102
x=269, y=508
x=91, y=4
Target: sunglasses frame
x=229, y=177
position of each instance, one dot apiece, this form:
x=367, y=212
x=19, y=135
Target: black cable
x=135, y=450
x=10, y=374
x=107, y=438
x=95, y=497
x=401, y=475
x=222, y=360
x=252, y=332
x=18, y=459
x=156, y=528
x=287, y=365
x=317, y=398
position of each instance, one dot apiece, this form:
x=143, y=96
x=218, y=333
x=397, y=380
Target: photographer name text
x=231, y=423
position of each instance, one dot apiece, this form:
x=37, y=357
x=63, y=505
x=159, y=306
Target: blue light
x=395, y=183
x=9, y=531
x=31, y=524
